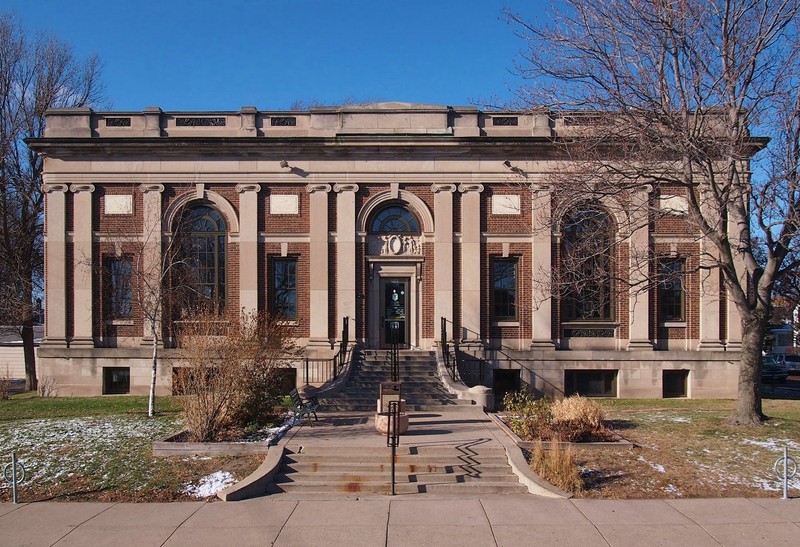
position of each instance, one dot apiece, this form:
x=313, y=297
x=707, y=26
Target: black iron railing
x=394, y=350
x=393, y=434
x=319, y=371
x=450, y=359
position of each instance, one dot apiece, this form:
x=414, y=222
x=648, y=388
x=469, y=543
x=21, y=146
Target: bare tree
x=669, y=91
x=227, y=370
x=35, y=75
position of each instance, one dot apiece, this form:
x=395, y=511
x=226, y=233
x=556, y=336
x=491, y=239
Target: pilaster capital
x=76, y=188
x=312, y=188
x=540, y=189
x=437, y=187
x=338, y=188
x=472, y=187
x=49, y=188
x=242, y=188
x=145, y=188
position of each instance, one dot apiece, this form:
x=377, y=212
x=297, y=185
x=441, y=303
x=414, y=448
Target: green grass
x=26, y=406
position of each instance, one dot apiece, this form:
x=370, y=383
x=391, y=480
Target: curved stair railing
x=450, y=359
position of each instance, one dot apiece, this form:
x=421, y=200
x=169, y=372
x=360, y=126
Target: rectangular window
x=590, y=383
x=284, y=288
x=671, y=273
x=116, y=380
x=504, y=289
x=675, y=383
x=120, y=291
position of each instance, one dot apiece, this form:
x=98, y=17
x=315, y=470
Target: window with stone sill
x=586, y=265
x=201, y=235
x=119, y=289
x=504, y=289
x=671, y=293
x=283, y=288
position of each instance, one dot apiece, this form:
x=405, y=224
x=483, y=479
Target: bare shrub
x=557, y=466
x=527, y=416
x=5, y=385
x=229, y=371
x=571, y=419
x=47, y=387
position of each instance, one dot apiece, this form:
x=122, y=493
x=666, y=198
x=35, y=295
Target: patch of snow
x=673, y=490
x=273, y=434
x=210, y=485
x=681, y=419
x=656, y=466
x=774, y=444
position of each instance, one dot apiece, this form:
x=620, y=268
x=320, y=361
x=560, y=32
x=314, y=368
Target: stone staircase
x=468, y=468
x=422, y=388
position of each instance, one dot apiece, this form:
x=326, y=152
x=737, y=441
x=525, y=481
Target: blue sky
x=222, y=55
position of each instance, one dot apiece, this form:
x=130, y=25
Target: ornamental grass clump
x=572, y=419
x=576, y=418
x=557, y=466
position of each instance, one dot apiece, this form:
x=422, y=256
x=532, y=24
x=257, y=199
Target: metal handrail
x=330, y=368
x=450, y=361
x=394, y=351
x=393, y=434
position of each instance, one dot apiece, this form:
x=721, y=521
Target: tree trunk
x=31, y=382
x=748, y=406
x=151, y=405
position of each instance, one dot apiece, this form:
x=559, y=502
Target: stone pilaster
x=710, y=303
x=443, y=251
x=55, y=252
x=471, y=263
x=639, y=296
x=318, y=212
x=346, y=251
x=82, y=265
x=248, y=247
x=542, y=269
x=151, y=259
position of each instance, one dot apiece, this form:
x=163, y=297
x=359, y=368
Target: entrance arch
x=394, y=232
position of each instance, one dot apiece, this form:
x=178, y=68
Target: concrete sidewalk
x=508, y=520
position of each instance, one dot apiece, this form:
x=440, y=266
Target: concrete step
x=486, y=468
x=382, y=475
x=466, y=488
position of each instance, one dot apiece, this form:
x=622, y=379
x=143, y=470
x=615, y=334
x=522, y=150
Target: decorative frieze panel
x=118, y=204
x=589, y=333
x=394, y=245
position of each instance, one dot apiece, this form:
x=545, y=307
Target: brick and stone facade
x=308, y=187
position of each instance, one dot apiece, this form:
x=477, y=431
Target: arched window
x=585, y=271
x=394, y=219
x=201, y=234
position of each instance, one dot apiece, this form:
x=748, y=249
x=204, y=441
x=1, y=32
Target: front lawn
x=685, y=448
x=100, y=448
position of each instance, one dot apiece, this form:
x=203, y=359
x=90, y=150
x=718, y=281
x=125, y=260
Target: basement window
x=590, y=383
x=116, y=380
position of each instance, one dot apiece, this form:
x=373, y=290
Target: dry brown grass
x=557, y=466
x=686, y=448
